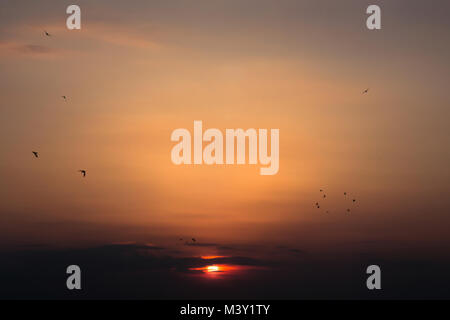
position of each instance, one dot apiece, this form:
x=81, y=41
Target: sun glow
x=215, y=271
x=211, y=257
x=212, y=268
x=218, y=269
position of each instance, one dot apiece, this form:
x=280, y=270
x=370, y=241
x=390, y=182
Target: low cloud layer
x=152, y=272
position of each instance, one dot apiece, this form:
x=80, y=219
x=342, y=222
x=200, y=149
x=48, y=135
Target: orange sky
x=133, y=76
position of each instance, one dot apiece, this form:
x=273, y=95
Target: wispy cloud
x=34, y=49
x=30, y=41
x=121, y=36
x=13, y=48
x=197, y=244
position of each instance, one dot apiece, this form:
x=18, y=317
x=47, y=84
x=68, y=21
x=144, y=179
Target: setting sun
x=213, y=149
x=212, y=268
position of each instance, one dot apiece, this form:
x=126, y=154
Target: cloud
x=12, y=48
x=33, y=49
x=130, y=246
x=121, y=36
x=108, y=270
x=292, y=250
x=140, y=271
x=199, y=244
x=24, y=40
x=133, y=254
x=297, y=251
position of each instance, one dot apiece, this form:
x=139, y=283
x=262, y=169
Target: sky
x=137, y=70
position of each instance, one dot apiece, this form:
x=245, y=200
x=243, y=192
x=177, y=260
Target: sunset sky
x=137, y=70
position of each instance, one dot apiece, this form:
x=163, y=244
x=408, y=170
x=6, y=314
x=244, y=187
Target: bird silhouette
x=64, y=97
x=345, y=193
x=83, y=172
x=324, y=195
x=365, y=91
x=320, y=190
x=354, y=200
x=193, y=240
x=35, y=154
x=47, y=34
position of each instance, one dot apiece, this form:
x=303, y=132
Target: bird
x=64, y=97
x=193, y=240
x=83, y=172
x=354, y=200
x=317, y=203
x=35, y=154
x=320, y=190
x=47, y=34
x=345, y=193
x=318, y=207
x=324, y=195
x=365, y=91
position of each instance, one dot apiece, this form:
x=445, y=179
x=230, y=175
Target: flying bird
x=83, y=172
x=64, y=97
x=321, y=190
x=365, y=91
x=324, y=195
x=35, y=154
x=345, y=193
x=354, y=200
x=47, y=34
x=193, y=240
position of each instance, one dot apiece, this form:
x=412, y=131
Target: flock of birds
x=317, y=204
x=64, y=97
x=192, y=239
x=83, y=171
